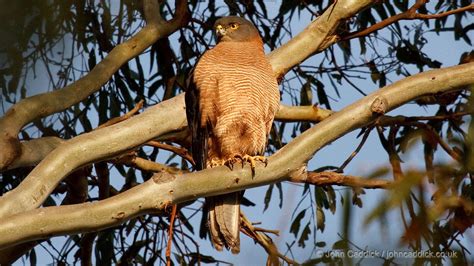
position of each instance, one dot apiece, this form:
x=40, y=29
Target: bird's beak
x=220, y=31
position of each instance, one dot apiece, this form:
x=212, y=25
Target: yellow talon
x=252, y=160
x=230, y=162
x=216, y=162
x=237, y=157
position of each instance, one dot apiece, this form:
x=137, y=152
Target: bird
x=231, y=101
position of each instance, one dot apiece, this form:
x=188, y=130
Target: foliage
x=62, y=41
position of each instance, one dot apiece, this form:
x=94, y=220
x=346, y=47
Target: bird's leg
x=252, y=160
x=229, y=162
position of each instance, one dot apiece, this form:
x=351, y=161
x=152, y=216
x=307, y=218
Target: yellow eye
x=234, y=26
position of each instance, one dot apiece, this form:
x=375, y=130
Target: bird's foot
x=216, y=162
x=250, y=159
x=232, y=160
x=245, y=158
x=253, y=159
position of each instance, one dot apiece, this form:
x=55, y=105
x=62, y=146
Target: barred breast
x=239, y=97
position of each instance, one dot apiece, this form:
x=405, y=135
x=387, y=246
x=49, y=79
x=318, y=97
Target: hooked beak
x=220, y=31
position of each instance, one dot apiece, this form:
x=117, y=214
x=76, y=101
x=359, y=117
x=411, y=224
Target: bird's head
x=235, y=29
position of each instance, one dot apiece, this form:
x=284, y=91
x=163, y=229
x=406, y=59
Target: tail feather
x=224, y=221
x=216, y=236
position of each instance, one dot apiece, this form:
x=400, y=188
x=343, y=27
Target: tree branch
x=176, y=150
x=126, y=116
x=315, y=37
x=309, y=113
x=35, y=150
x=333, y=178
x=165, y=189
x=46, y=104
x=147, y=165
x=410, y=14
x=94, y=146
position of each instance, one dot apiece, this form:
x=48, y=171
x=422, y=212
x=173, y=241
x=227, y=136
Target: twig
x=410, y=14
x=354, y=153
x=146, y=165
x=170, y=235
x=177, y=150
x=310, y=113
x=259, y=229
x=429, y=130
x=395, y=163
x=400, y=120
x=333, y=178
x=445, y=14
x=392, y=155
x=126, y=116
x=264, y=240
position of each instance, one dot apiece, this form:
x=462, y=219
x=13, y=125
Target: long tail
x=224, y=221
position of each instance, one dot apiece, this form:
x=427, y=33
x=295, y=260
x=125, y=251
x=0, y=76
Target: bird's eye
x=234, y=26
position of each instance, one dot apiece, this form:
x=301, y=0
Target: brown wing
x=200, y=133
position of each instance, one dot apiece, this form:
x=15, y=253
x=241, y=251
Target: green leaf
x=280, y=192
x=322, y=96
x=268, y=197
x=331, y=198
x=246, y=202
x=320, y=244
x=154, y=87
x=203, y=229
x=306, y=94
x=198, y=258
x=379, y=172
x=104, y=248
x=103, y=107
x=356, y=199
x=397, y=195
x=295, y=225
x=85, y=122
x=92, y=61
x=185, y=221
x=340, y=244
x=320, y=219
x=304, y=236
x=49, y=202
x=321, y=197
x=32, y=256
x=140, y=76
x=130, y=226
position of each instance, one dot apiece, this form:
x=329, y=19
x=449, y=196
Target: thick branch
x=33, y=151
x=46, y=104
x=164, y=189
x=91, y=147
x=315, y=37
